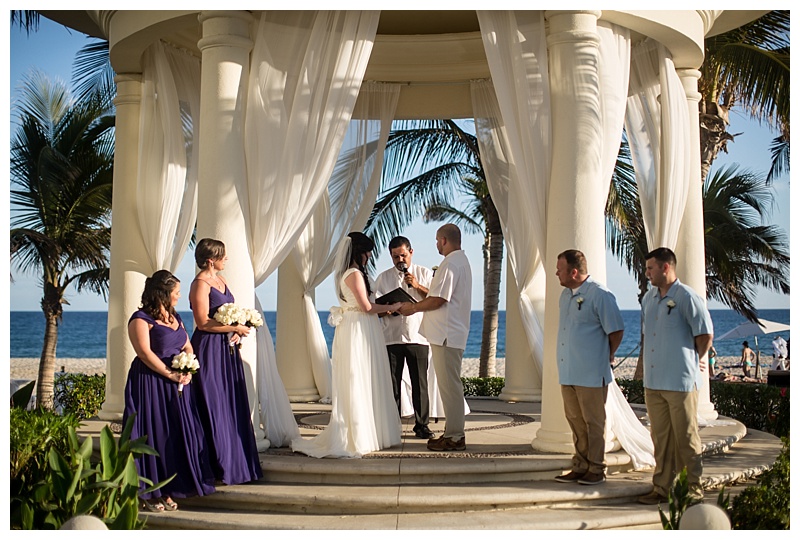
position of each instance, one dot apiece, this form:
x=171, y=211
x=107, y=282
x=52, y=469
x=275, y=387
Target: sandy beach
x=28, y=368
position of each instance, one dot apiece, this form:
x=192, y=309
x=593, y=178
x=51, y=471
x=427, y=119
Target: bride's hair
x=352, y=251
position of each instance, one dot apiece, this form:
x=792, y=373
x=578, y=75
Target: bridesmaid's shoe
x=168, y=503
x=156, y=506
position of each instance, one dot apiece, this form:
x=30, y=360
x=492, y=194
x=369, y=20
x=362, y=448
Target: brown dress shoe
x=572, y=476
x=654, y=497
x=443, y=444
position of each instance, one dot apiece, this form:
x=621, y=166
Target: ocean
x=82, y=334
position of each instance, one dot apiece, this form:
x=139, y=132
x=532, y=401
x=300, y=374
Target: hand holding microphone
x=403, y=267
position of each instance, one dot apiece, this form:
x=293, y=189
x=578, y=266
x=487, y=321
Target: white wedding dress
x=364, y=415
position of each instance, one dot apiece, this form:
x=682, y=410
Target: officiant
x=406, y=346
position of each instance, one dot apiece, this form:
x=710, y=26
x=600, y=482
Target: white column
x=690, y=249
x=291, y=341
x=575, y=218
x=222, y=178
x=523, y=382
x=127, y=272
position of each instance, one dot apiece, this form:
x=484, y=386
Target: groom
x=590, y=329
x=446, y=326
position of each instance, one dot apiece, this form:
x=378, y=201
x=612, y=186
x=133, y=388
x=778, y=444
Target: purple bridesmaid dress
x=169, y=420
x=223, y=404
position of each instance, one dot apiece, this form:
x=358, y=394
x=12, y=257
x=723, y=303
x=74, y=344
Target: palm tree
x=61, y=178
x=450, y=163
x=746, y=67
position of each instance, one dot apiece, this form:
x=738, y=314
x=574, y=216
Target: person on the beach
x=712, y=362
x=406, y=346
x=677, y=332
x=779, y=353
x=446, y=326
x=748, y=358
x=166, y=415
x=221, y=387
x=590, y=329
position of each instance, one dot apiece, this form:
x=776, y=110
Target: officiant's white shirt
x=452, y=281
x=398, y=330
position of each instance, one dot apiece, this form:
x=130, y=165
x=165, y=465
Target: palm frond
x=779, y=149
x=92, y=73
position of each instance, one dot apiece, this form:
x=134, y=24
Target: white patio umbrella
x=753, y=329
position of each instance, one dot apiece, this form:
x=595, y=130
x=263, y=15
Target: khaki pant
x=447, y=365
x=676, y=439
x=585, y=409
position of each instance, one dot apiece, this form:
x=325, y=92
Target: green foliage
x=632, y=389
x=766, y=505
x=79, y=394
x=63, y=481
x=679, y=498
x=483, y=386
x=757, y=406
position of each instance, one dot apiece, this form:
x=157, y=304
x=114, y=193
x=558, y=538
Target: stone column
x=523, y=382
x=690, y=249
x=291, y=341
x=222, y=180
x=129, y=266
x=576, y=201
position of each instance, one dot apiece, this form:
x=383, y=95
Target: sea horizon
x=82, y=334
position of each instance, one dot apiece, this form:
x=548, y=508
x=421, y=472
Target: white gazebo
x=265, y=127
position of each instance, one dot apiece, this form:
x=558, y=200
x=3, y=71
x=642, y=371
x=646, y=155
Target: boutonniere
x=579, y=301
x=435, y=268
x=670, y=305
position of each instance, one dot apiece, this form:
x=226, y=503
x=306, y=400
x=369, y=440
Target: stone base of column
x=707, y=412
x=110, y=415
x=530, y=395
x=553, y=442
x=303, y=395
x=263, y=444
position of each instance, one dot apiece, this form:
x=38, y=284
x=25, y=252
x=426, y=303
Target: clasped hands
x=239, y=331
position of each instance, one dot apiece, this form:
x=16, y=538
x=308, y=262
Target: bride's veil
x=341, y=263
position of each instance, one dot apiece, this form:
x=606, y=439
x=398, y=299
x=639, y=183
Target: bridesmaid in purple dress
x=221, y=387
x=169, y=420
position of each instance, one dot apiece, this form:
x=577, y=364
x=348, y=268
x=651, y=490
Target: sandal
x=156, y=506
x=168, y=503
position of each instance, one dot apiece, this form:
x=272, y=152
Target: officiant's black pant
x=416, y=357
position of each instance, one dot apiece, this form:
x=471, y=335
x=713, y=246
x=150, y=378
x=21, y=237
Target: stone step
x=527, y=504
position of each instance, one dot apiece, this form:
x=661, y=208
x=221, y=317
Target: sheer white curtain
x=166, y=190
x=514, y=133
x=657, y=125
x=345, y=206
x=305, y=74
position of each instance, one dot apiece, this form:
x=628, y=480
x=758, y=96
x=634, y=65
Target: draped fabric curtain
x=305, y=74
x=657, y=125
x=345, y=206
x=166, y=185
x=514, y=134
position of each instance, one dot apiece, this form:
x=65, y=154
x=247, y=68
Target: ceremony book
x=397, y=295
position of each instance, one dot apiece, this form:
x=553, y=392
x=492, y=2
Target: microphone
x=403, y=267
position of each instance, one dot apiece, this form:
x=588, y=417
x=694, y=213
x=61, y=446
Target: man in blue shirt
x=678, y=332
x=590, y=329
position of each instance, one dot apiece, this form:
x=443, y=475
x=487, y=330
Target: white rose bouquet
x=232, y=315
x=185, y=363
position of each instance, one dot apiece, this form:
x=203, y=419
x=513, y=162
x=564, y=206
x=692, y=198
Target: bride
x=364, y=416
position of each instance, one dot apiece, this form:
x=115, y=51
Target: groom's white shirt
x=398, y=330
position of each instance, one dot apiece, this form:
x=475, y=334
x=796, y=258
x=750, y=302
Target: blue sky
x=52, y=50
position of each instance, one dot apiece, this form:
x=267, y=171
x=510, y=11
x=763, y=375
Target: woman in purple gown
x=221, y=387
x=169, y=420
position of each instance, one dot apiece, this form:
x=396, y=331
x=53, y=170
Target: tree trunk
x=493, y=269
x=714, y=136
x=51, y=306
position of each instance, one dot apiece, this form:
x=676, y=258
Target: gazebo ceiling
x=432, y=53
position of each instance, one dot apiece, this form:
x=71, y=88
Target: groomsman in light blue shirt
x=590, y=329
x=678, y=332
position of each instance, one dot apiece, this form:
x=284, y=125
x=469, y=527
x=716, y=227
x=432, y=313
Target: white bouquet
x=185, y=363
x=232, y=315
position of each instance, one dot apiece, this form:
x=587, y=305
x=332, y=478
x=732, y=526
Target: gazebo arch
x=433, y=55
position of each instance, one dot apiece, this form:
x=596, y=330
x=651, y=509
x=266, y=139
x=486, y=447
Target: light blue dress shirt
x=671, y=323
x=586, y=317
